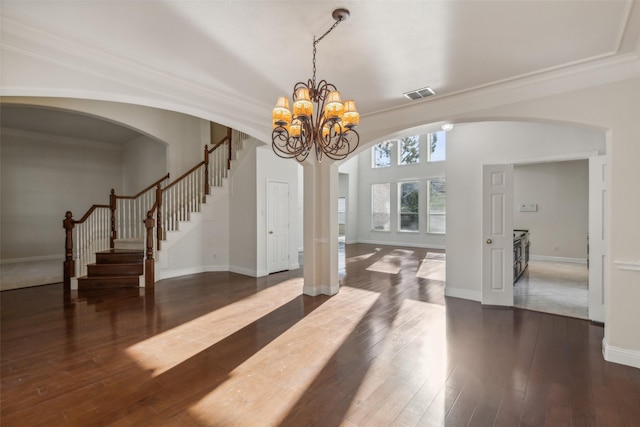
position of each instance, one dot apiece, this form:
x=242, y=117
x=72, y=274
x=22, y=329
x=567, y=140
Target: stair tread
x=122, y=251
x=109, y=277
x=119, y=263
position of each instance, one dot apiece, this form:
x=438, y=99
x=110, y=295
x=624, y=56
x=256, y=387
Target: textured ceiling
x=229, y=60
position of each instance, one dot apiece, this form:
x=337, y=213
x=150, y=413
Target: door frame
x=583, y=155
x=269, y=181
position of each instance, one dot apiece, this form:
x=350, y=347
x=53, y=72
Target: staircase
x=114, y=268
x=144, y=226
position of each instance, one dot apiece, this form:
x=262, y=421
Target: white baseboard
x=320, y=290
x=244, y=271
x=463, y=293
x=403, y=244
x=169, y=274
x=59, y=257
x=619, y=355
x=558, y=259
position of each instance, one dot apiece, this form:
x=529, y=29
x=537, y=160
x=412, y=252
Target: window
x=409, y=150
x=409, y=194
x=436, y=197
x=437, y=144
x=381, y=207
x=381, y=155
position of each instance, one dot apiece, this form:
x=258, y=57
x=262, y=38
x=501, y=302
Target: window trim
x=373, y=154
x=372, y=228
x=429, y=147
x=428, y=207
x=417, y=213
x=399, y=152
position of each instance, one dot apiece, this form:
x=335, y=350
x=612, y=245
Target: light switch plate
x=528, y=207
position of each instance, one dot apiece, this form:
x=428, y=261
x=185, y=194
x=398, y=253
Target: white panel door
x=277, y=226
x=597, y=235
x=497, y=235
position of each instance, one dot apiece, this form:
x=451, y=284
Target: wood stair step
x=97, y=282
x=112, y=269
x=120, y=256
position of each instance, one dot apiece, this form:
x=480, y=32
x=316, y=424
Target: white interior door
x=497, y=235
x=277, y=226
x=597, y=246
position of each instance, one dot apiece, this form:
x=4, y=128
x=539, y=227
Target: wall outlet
x=528, y=207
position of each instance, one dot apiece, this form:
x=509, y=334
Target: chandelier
x=328, y=128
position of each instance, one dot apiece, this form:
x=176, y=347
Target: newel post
x=149, y=263
x=159, y=216
x=230, y=148
x=206, y=170
x=69, y=267
x=112, y=206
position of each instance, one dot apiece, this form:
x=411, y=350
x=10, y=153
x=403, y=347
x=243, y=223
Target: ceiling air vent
x=420, y=93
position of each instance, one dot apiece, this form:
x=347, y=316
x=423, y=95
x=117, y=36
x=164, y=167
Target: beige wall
x=559, y=227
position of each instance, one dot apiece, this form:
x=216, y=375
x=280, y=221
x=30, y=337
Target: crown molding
x=58, y=139
x=448, y=108
x=55, y=47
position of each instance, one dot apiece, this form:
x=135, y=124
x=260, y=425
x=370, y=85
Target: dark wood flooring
x=220, y=349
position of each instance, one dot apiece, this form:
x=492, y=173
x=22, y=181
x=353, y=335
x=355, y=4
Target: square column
x=320, y=228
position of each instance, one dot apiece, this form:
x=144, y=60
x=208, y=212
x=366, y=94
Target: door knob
x=270, y=232
x=489, y=241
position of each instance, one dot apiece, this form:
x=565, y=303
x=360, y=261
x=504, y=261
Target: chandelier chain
x=315, y=42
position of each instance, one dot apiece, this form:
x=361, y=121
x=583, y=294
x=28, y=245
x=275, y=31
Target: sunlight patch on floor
x=433, y=267
x=390, y=263
x=360, y=257
x=428, y=351
x=287, y=366
x=166, y=350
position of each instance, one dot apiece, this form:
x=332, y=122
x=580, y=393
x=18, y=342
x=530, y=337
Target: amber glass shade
x=295, y=128
x=281, y=113
x=351, y=117
x=336, y=129
x=302, y=106
x=334, y=109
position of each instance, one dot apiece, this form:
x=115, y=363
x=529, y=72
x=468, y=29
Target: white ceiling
x=228, y=61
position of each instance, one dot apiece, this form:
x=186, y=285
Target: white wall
x=184, y=135
x=559, y=227
x=145, y=161
x=469, y=146
x=272, y=167
x=351, y=167
x=242, y=221
x=42, y=178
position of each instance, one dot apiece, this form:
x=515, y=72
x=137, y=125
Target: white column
x=320, y=228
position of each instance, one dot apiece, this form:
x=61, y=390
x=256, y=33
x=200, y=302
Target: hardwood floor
x=219, y=349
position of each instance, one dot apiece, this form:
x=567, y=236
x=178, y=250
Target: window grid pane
x=409, y=150
x=381, y=207
x=437, y=144
x=381, y=155
x=409, y=199
x=436, y=203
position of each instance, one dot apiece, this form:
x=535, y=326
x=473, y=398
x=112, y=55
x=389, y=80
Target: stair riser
x=115, y=269
x=106, y=282
x=106, y=258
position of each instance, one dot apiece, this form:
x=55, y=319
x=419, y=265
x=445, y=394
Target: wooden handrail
x=183, y=176
x=158, y=182
x=222, y=141
x=89, y=212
